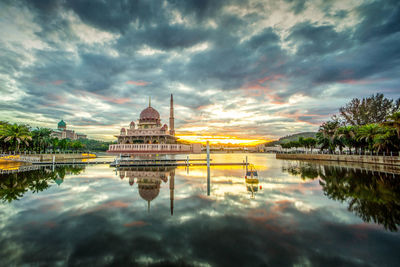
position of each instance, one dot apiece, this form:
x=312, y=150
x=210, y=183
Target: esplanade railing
x=149, y=148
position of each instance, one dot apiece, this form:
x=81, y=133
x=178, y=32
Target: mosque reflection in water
x=148, y=180
x=371, y=195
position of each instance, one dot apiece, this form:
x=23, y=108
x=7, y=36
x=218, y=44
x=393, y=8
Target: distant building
x=61, y=132
x=150, y=136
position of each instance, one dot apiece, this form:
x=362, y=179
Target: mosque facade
x=149, y=135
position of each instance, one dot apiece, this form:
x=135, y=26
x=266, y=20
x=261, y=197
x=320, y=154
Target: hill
x=292, y=137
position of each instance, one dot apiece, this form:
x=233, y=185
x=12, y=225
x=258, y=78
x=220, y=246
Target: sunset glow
x=220, y=140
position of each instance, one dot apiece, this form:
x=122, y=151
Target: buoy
x=245, y=177
x=260, y=187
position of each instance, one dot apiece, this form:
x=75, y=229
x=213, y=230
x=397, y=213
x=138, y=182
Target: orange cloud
x=138, y=83
x=258, y=87
x=220, y=139
x=136, y=224
x=58, y=82
x=352, y=81
x=121, y=100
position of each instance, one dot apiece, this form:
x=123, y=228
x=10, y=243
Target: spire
x=149, y=101
x=171, y=117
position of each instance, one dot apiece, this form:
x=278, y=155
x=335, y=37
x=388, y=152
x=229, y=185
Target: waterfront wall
x=6, y=158
x=387, y=160
x=58, y=157
x=153, y=148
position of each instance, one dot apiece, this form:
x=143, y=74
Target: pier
x=142, y=163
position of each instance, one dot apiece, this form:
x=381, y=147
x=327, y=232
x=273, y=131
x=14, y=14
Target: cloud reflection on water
x=289, y=222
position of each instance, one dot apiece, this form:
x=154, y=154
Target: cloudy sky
x=252, y=69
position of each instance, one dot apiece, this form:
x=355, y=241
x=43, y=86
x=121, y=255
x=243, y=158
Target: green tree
x=15, y=135
x=310, y=143
x=373, y=109
x=367, y=133
x=76, y=145
x=41, y=139
x=63, y=144
x=326, y=136
x=347, y=136
x=394, y=121
x=386, y=140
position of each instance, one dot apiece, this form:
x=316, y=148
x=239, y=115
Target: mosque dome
x=62, y=124
x=59, y=180
x=149, y=113
x=149, y=191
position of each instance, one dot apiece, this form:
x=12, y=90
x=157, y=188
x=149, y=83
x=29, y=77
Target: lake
x=296, y=214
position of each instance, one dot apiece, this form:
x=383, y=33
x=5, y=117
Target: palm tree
x=394, y=121
x=347, y=136
x=386, y=140
x=367, y=133
x=41, y=138
x=326, y=135
x=15, y=134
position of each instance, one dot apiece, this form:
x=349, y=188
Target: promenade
x=370, y=159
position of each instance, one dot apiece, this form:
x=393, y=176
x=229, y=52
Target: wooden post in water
x=208, y=168
x=187, y=164
x=246, y=165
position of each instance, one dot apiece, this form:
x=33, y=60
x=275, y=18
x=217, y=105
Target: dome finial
x=149, y=101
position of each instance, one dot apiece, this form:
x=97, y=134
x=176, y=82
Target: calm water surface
x=297, y=214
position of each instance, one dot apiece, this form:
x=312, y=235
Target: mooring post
x=208, y=169
x=187, y=164
x=54, y=159
x=246, y=165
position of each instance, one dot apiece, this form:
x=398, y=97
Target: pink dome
x=149, y=192
x=132, y=123
x=149, y=113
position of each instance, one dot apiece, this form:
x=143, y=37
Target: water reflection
x=97, y=219
x=149, y=180
x=373, y=196
x=14, y=185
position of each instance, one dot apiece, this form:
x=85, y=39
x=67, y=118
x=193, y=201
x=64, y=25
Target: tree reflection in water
x=373, y=196
x=13, y=186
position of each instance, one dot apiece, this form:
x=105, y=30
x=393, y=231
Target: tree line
x=371, y=124
x=21, y=137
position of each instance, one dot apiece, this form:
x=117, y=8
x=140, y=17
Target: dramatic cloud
x=250, y=68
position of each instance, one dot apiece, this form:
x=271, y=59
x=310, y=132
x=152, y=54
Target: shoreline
x=367, y=159
x=44, y=157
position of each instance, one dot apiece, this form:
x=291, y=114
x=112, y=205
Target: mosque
x=150, y=136
x=149, y=180
x=62, y=132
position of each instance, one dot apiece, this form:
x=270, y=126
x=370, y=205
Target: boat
x=252, y=181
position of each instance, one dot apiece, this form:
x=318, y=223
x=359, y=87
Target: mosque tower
x=171, y=117
x=171, y=190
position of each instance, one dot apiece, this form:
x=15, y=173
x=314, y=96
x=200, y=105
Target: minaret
x=171, y=117
x=171, y=190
